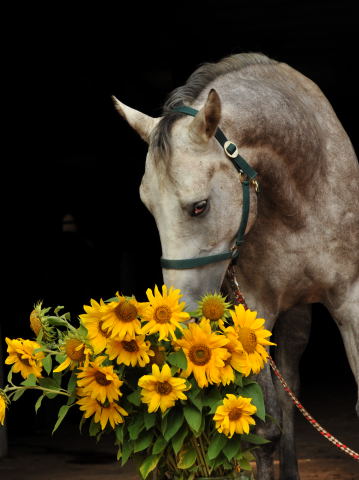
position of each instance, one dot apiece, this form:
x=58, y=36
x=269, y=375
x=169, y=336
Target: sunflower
x=3, y=405
x=164, y=312
x=39, y=323
x=234, y=415
x=213, y=306
x=252, y=336
x=99, y=382
x=93, y=320
x=120, y=318
x=130, y=351
x=24, y=357
x=104, y=412
x=204, y=351
x=161, y=390
x=77, y=353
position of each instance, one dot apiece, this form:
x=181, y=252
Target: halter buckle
x=231, y=149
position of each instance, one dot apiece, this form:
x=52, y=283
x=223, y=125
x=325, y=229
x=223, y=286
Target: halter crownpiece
x=245, y=171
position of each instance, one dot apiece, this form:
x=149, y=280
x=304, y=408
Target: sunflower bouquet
x=179, y=395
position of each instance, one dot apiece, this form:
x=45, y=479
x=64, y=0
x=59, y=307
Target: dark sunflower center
x=248, y=339
x=101, y=379
x=235, y=414
x=200, y=354
x=103, y=331
x=213, y=309
x=126, y=312
x=71, y=352
x=130, y=346
x=162, y=314
x=163, y=388
x=25, y=361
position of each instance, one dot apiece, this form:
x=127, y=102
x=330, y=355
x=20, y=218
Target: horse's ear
x=206, y=121
x=143, y=124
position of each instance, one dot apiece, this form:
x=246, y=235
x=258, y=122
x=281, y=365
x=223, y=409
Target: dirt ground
x=69, y=456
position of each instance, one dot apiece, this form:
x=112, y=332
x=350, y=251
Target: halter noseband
x=244, y=169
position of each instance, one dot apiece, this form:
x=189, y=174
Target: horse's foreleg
x=345, y=311
x=269, y=429
x=291, y=334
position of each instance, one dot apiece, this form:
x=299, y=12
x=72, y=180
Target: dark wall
x=72, y=153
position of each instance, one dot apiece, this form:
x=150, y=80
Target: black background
x=70, y=152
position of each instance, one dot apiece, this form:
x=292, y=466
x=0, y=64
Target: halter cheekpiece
x=248, y=178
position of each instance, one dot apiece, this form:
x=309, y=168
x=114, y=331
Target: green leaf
x=47, y=364
x=149, y=420
x=58, y=309
x=18, y=394
x=254, y=392
x=71, y=386
x=60, y=357
x=119, y=434
x=50, y=383
x=232, y=448
x=178, y=359
x=136, y=427
x=30, y=381
x=135, y=398
x=82, y=331
x=94, y=428
x=149, y=464
x=216, y=446
x=238, y=380
x=255, y=439
x=244, y=464
x=196, y=398
x=62, y=413
x=143, y=442
x=126, y=451
x=187, y=459
x=174, y=425
x=193, y=417
x=212, y=398
x=178, y=439
x=38, y=402
x=160, y=445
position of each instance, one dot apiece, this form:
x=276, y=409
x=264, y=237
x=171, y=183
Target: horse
x=302, y=227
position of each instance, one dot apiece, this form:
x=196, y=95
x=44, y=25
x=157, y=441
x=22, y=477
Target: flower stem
x=36, y=387
x=204, y=470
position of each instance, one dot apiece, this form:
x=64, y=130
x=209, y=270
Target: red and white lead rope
x=239, y=299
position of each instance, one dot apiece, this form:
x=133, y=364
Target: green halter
x=243, y=168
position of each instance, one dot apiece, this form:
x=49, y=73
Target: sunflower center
x=104, y=331
x=163, y=388
x=71, y=352
x=130, y=346
x=248, y=339
x=126, y=312
x=159, y=356
x=200, y=354
x=25, y=361
x=213, y=309
x=235, y=414
x=162, y=314
x=101, y=379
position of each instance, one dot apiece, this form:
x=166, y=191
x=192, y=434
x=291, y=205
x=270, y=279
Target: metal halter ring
x=232, y=154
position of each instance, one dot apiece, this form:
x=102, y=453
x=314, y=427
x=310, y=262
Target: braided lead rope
x=239, y=299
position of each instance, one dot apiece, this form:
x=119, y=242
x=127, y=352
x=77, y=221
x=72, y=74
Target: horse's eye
x=198, y=208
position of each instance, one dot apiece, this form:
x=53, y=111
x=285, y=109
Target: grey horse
x=301, y=239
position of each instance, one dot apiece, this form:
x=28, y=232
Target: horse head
x=193, y=191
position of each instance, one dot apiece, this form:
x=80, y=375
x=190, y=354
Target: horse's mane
x=196, y=83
